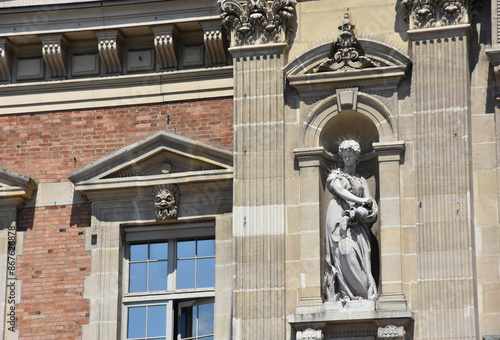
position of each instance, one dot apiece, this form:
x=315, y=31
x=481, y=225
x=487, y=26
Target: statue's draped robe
x=349, y=251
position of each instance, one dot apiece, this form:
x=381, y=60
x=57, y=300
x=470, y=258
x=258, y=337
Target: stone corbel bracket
x=493, y=54
x=212, y=36
x=54, y=54
x=165, y=46
x=257, y=22
x=5, y=53
x=109, y=50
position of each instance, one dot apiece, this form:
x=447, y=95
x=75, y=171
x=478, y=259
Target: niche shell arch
x=368, y=107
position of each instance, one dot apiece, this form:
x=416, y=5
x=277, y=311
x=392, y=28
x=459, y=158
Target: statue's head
x=350, y=150
x=349, y=144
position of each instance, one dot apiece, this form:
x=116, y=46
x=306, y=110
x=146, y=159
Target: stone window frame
x=120, y=198
x=170, y=232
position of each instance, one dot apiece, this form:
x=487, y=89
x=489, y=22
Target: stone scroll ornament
x=166, y=198
x=346, y=52
x=436, y=13
x=256, y=22
x=350, y=215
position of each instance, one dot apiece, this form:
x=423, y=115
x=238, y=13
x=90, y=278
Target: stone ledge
x=74, y=94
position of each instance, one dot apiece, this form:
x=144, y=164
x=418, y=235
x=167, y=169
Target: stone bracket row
x=54, y=47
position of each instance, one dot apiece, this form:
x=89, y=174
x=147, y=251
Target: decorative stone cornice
x=109, y=50
x=4, y=60
x=257, y=22
x=346, y=52
x=212, y=36
x=436, y=13
x=165, y=46
x=54, y=54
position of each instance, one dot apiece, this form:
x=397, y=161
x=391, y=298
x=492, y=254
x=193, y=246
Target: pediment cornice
x=389, y=68
x=161, y=159
x=15, y=188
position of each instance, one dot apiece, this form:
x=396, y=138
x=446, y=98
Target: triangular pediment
x=159, y=159
x=15, y=186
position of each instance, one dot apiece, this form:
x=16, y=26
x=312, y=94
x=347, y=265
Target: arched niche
x=342, y=105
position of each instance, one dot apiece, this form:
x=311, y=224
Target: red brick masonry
x=49, y=146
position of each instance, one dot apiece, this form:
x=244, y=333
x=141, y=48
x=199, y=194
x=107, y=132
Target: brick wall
x=52, y=269
x=49, y=146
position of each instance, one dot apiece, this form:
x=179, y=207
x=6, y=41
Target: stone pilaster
x=389, y=157
x=258, y=32
x=445, y=248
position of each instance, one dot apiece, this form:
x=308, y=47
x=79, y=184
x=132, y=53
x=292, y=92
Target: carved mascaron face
x=166, y=204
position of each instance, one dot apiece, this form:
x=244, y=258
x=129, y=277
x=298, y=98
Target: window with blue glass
x=170, y=289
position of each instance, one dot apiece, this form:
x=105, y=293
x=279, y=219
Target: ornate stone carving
x=214, y=47
x=254, y=22
x=4, y=60
x=165, y=46
x=53, y=51
x=350, y=215
x=346, y=52
x=310, y=334
x=434, y=13
x=109, y=50
x=391, y=332
x=166, y=199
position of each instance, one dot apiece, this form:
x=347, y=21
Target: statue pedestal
x=355, y=319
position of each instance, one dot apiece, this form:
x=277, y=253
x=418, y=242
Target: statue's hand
x=368, y=202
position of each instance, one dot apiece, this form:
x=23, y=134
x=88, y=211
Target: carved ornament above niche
x=346, y=52
x=257, y=22
x=436, y=13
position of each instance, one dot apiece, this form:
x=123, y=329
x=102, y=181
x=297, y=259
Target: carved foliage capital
x=254, y=22
x=436, y=13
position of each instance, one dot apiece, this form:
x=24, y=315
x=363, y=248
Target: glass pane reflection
x=205, y=276
x=186, y=249
x=157, y=318
x=158, y=276
x=206, y=319
x=138, y=277
x=136, y=322
x=185, y=274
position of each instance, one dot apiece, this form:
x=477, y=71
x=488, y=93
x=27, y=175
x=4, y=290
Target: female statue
x=350, y=215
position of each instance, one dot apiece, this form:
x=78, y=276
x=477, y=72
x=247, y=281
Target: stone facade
x=153, y=123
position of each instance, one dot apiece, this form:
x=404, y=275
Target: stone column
x=258, y=35
x=441, y=92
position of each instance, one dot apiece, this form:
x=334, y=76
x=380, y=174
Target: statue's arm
x=346, y=194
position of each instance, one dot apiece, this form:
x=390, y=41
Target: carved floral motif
x=391, y=332
x=346, y=52
x=310, y=334
x=166, y=198
x=434, y=13
x=254, y=22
